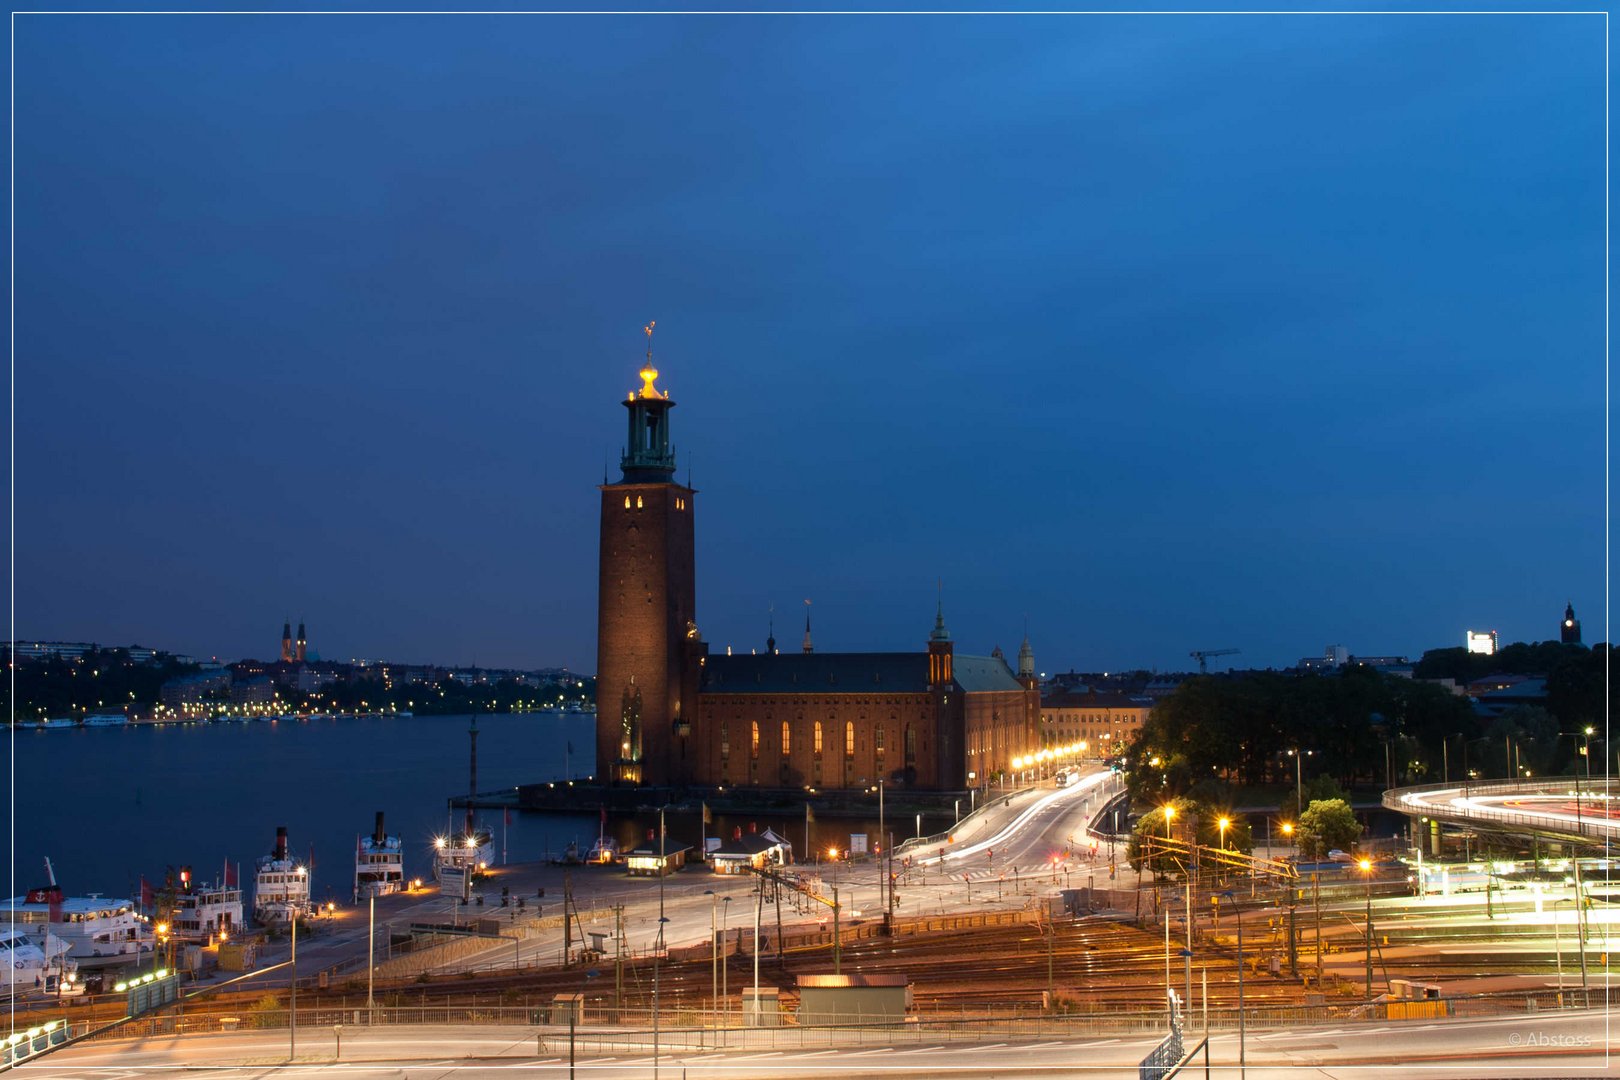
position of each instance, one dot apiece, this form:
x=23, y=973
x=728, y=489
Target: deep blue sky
x=1167, y=332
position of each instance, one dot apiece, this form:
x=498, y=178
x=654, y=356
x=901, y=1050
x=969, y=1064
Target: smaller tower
x=303, y=644
x=770, y=634
x=808, y=648
x=1569, y=632
x=1026, y=659
x=940, y=650
x=286, y=642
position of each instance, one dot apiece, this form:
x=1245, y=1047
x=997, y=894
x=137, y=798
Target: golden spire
x=649, y=373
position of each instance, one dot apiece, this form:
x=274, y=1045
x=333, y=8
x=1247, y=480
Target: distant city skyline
x=1162, y=333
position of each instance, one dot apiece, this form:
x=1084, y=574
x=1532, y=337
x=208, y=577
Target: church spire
x=770, y=635
x=808, y=648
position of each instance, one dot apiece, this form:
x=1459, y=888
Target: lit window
x=787, y=739
x=849, y=738
x=753, y=739
x=627, y=502
x=818, y=736
x=725, y=741
x=638, y=502
x=877, y=741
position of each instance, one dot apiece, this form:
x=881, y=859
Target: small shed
x=853, y=999
x=753, y=850
x=654, y=858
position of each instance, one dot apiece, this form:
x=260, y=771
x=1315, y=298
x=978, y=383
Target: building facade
x=1104, y=722
x=668, y=713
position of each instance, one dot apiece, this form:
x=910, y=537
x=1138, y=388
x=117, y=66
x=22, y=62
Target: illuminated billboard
x=1482, y=641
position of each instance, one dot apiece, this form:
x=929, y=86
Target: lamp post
x=1243, y=1032
x=292, y=1008
x=371, y=955
x=1366, y=870
x=714, y=952
x=725, y=993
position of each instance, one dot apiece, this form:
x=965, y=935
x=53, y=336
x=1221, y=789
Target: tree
x=1317, y=789
x=1143, y=852
x=1327, y=824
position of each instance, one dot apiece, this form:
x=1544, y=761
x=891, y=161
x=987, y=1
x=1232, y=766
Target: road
x=1569, y=1043
x=1557, y=805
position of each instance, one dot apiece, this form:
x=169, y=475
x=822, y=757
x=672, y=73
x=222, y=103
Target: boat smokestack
x=281, y=842
x=379, y=836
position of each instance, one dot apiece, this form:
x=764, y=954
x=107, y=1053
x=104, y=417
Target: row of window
x=879, y=739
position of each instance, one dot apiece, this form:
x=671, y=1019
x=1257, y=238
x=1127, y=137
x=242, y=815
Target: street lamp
x=1366, y=869
x=1224, y=823
x=714, y=949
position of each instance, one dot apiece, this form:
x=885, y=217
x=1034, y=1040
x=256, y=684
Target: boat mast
x=472, y=773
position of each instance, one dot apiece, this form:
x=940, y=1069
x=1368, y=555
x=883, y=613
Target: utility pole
x=1316, y=899
x=618, y=960
x=292, y=1010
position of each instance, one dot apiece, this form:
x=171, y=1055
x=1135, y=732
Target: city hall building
x=670, y=714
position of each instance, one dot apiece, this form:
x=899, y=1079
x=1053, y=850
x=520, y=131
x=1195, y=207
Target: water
x=109, y=805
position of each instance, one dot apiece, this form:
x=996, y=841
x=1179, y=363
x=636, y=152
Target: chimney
x=753, y=827
x=379, y=836
x=281, y=842
x=736, y=834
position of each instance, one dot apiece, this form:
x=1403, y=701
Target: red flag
x=230, y=876
x=147, y=898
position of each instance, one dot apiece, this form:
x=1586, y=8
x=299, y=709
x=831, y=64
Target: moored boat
x=99, y=932
x=206, y=914
x=379, y=864
x=280, y=886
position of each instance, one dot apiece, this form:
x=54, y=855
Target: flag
x=708, y=818
x=508, y=817
x=147, y=898
x=809, y=814
x=230, y=876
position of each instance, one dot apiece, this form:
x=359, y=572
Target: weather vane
x=648, y=329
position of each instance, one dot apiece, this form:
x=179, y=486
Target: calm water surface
x=108, y=805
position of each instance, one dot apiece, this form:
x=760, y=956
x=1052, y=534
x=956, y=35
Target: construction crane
x=1201, y=654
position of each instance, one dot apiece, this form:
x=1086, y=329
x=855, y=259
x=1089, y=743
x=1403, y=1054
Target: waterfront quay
x=582, y=796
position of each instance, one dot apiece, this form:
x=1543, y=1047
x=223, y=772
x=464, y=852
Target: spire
x=770, y=636
x=286, y=641
x=1026, y=657
x=808, y=648
x=648, y=456
x=940, y=633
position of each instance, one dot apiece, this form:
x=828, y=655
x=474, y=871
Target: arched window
x=753, y=740
x=787, y=739
x=818, y=736
x=849, y=738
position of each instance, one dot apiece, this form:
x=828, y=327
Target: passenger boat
x=42, y=966
x=379, y=864
x=206, y=914
x=280, y=886
x=98, y=932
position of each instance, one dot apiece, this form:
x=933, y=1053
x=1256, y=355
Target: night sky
x=1164, y=332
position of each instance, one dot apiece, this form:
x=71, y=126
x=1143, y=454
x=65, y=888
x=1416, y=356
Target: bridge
x=1559, y=807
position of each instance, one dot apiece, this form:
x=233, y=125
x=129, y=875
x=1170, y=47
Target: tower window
x=877, y=741
x=787, y=739
x=753, y=740
x=818, y=737
x=627, y=502
x=725, y=740
x=638, y=502
x=849, y=738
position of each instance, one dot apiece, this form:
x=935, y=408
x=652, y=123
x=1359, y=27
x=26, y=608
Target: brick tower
x=647, y=646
